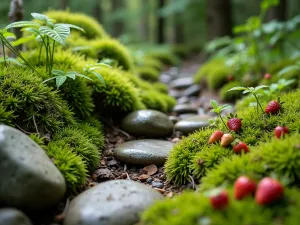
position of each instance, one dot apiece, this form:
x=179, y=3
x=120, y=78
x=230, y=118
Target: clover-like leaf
x=60, y=80
x=214, y=104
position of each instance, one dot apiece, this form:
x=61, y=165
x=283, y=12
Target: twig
x=193, y=182
x=36, y=128
x=125, y=168
x=121, y=131
x=26, y=132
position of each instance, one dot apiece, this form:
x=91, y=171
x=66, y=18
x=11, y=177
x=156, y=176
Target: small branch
x=193, y=182
x=36, y=128
x=24, y=131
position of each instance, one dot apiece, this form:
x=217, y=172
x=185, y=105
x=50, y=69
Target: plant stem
x=259, y=103
x=223, y=121
x=3, y=52
x=40, y=53
x=47, y=54
x=53, y=48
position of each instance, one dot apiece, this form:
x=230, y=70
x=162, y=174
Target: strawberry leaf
x=214, y=104
x=237, y=89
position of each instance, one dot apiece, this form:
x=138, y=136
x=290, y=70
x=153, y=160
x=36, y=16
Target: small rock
x=147, y=123
x=174, y=119
x=191, y=124
x=183, y=100
x=185, y=108
x=104, y=174
x=175, y=93
x=10, y=216
x=117, y=202
x=143, y=151
x=112, y=162
x=182, y=83
x=157, y=184
x=175, y=140
x=193, y=90
x=149, y=180
x=165, y=78
x=29, y=178
x=187, y=115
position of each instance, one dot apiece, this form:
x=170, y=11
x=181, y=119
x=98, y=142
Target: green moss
x=161, y=87
x=118, y=96
x=148, y=74
x=195, y=209
x=92, y=28
x=151, y=62
x=154, y=100
x=280, y=157
x=166, y=57
x=71, y=165
x=179, y=167
x=231, y=95
x=214, y=73
x=26, y=101
x=93, y=132
x=81, y=144
x=209, y=157
x=171, y=102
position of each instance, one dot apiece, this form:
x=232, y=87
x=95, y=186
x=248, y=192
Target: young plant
x=218, y=109
x=254, y=92
x=276, y=88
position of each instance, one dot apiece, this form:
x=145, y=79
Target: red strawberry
x=241, y=147
x=243, y=187
x=216, y=136
x=280, y=131
x=230, y=77
x=267, y=76
x=226, y=140
x=268, y=191
x=220, y=200
x=272, y=107
x=234, y=124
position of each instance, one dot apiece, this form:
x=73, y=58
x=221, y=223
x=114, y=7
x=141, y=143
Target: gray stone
x=29, y=179
x=183, y=100
x=187, y=115
x=144, y=151
x=165, y=78
x=117, y=202
x=193, y=90
x=191, y=124
x=185, y=108
x=147, y=123
x=174, y=119
x=149, y=180
x=157, y=184
x=182, y=83
x=175, y=93
x=10, y=216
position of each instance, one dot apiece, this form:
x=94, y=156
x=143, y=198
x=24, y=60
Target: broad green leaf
x=223, y=107
x=11, y=60
x=99, y=77
x=39, y=16
x=237, y=89
x=58, y=73
x=32, y=30
x=246, y=91
x=214, y=104
x=22, y=40
x=289, y=69
x=84, y=76
x=22, y=24
x=72, y=75
x=60, y=80
x=70, y=26
x=59, y=33
x=9, y=35
x=260, y=87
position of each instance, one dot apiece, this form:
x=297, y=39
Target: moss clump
x=214, y=73
x=72, y=166
x=91, y=27
x=94, y=132
x=179, y=163
x=148, y=74
x=280, y=157
x=161, y=87
x=166, y=57
x=25, y=101
x=154, y=100
x=81, y=145
x=231, y=95
x=209, y=157
x=118, y=96
x=151, y=62
x=195, y=209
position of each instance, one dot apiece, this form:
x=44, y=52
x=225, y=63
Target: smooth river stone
x=191, y=124
x=10, y=216
x=117, y=202
x=182, y=83
x=147, y=123
x=29, y=179
x=184, y=109
x=144, y=151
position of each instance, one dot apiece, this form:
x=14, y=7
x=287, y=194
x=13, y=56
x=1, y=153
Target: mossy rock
x=91, y=27
x=231, y=95
x=214, y=73
x=27, y=103
x=148, y=74
x=166, y=57
x=118, y=96
x=161, y=87
x=280, y=157
x=150, y=62
x=194, y=209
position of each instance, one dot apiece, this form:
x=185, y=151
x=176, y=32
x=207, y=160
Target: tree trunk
x=178, y=29
x=161, y=24
x=16, y=13
x=63, y=4
x=97, y=11
x=219, y=18
x=118, y=26
x=279, y=12
x=145, y=21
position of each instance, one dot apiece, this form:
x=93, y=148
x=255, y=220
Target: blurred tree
x=63, y=4
x=118, y=25
x=178, y=28
x=16, y=13
x=145, y=20
x=160, y=23
x=218, y=18
x=97, y=10
x=279, y=12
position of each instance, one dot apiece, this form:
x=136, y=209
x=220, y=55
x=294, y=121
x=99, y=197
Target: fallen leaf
x=170, y=195
x=143, y=177
x=151, y=169
x=104, y=174
x=160, y=190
